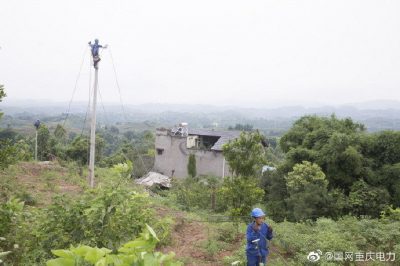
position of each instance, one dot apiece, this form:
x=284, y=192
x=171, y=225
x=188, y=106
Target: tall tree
x=308, y=189
x=191, y=167
x=43, y=142
x=60, y=133
x=334, y=144
x=245, y=155
x=2, y=95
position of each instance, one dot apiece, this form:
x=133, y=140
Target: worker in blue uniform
x=258, y=232
x=95, y=48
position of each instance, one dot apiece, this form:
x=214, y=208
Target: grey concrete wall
x=175, y=157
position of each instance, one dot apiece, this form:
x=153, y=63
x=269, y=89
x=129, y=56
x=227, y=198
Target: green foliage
x=2, y=95
x=191, y=167
x=384, y=147
x=103, y=217
x=228, y=233
x=334, y=144
x=274, y=185
x=391, y=214
x=9, y=212
x=79, y=149
x=164, y=228
x=240, y=127
x=347, y=234
x=212, y=247
x=43, y=144
x=346, y=154
x=7, y=154
x=245, y=155
x=124, y=170
x=192, y=194
x=60, y=133
x=307, y=188
x=237, y=196
x=139, y=251
x=367, y=200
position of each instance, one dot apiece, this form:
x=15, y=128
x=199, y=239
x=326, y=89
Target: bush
x=137, y=252
x=238, y=196
x=104, y=217
x=348, y=234
x=195, y=193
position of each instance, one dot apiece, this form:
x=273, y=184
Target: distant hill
x=376, y=115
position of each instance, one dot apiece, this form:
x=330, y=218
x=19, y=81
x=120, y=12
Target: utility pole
x=37, y=125
x=93, y=130
x=96, y=59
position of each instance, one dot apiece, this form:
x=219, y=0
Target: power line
x=123, y=108
x=116, y=81
x=75, y=87
x=102, y=105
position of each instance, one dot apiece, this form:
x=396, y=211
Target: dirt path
x=189, y=239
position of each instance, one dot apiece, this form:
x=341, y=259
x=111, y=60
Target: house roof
x=225, y=136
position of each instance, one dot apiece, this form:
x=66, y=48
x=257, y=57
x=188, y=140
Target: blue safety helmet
x=257, y=212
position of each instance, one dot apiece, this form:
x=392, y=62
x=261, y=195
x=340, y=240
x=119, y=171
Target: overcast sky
x=222, y=52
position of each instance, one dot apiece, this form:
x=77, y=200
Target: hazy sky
x=219, y=52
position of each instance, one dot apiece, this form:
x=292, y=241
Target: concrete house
x=173, y=147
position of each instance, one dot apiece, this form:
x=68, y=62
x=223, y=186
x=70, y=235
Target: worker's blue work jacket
x=95, y=49
x=260, y=248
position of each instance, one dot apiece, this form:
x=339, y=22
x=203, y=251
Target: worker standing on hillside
x=258, y=232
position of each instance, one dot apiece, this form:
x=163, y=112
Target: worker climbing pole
x=95, y=48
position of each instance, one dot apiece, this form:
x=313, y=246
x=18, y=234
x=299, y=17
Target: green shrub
x=348, y=234
x=104, y=217
x=228, y=233
x=192, y=194
x=137, y=252
x=238, y=196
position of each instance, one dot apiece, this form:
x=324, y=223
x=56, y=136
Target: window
x=160, y=151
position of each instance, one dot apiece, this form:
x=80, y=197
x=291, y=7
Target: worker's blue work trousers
x=255, y=260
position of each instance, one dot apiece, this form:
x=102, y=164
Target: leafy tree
x=191, y=167
x=334, y=144
x=43, y=142
x=307, y=188
x=385, y=147
x=60, y=133
x=7, y=154
x=79, y=149
x=274, y=185
x=240, y=127
x=130, y=135
x=7, y=151
x=2, y=95
x=239, y=195
x=246, y=154
x=367, y=200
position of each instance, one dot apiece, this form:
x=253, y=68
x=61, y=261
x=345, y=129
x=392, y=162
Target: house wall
x=175, y=157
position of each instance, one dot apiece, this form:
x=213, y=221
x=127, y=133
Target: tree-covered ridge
x=361, y=170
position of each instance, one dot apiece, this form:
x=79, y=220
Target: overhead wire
x=90, y=96
x=102, y=105
x=117, y=83
x=88, y=110
x=75, y=87
x=123, y=107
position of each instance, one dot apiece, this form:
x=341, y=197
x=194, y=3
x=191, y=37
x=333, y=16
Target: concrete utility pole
x=37, y=125
x=93, y=130
x=96, y=59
